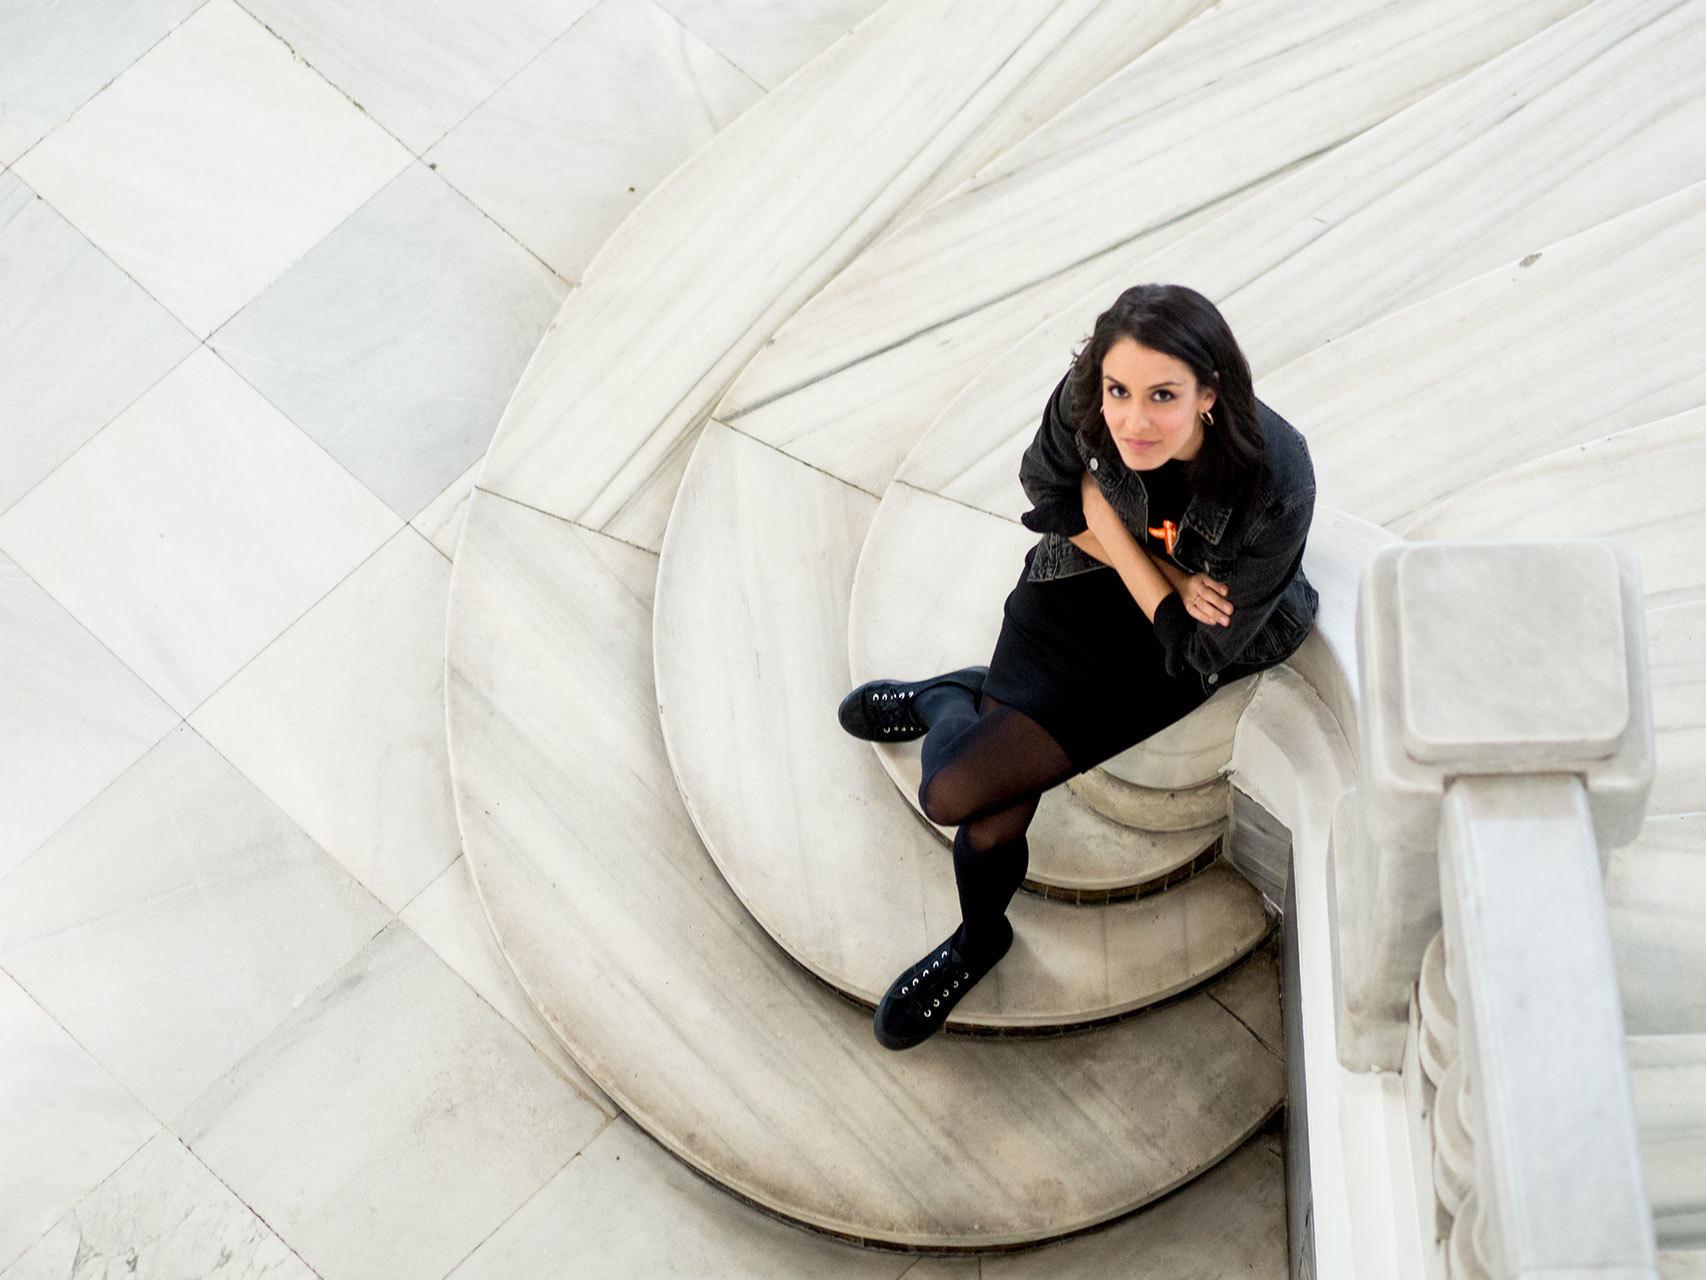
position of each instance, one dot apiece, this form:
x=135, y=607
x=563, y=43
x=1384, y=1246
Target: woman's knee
x=942, y=799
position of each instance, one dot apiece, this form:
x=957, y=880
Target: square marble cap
x=1511, y=652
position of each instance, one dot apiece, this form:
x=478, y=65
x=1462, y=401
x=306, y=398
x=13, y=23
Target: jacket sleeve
x=1265, y=565
x=1050, y=472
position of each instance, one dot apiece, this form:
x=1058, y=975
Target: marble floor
x=268, y=275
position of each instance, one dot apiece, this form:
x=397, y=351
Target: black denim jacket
x=1256, y=551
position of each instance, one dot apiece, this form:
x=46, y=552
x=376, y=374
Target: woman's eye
x=1168, y=394
x=1116, y=392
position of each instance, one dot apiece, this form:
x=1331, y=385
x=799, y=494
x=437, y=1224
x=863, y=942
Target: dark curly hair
x=1180, y=322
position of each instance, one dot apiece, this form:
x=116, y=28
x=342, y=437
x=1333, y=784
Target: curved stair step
x=940, y=297
x=1436, y=195
x=753, y=585
x=1641, y=486
x=1676, y=653
x=1510, y=366
x=1153, y=809
x=926, y=91
x=1669, y=1078
x=709, y=1036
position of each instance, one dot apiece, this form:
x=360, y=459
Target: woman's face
x=1152, y=404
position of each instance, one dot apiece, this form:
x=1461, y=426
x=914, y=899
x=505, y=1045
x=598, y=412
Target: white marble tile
x=626, y=1207
x=567, y=149
x=415, y=67
x=396, y=342
x=440, y=521
x=176, y=920
x=75, y=717
x=954, y=75
x=1398, y=418
x=340, y=721
x=430, y=1119
x=1639, y=486
x=162, y=1216
x=1655, y=894
x=448, y=917
x=215, y=161
x=81, y=339
x=753, y=585
x=193, y=529
x=701, y=1029
x=748, y=33
x=54, y=56
x=67, y=1123
x=1676, y=652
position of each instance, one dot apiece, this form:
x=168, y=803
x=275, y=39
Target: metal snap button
x=1095, y=464
x=1214, y=679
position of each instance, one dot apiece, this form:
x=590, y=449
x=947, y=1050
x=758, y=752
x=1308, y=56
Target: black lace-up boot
x=921, y=999
x=887, y=710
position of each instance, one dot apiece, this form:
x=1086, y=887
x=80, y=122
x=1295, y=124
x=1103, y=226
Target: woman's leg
x=986, y=774
x=978, y=762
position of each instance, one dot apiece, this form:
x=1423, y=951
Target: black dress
x=1079, y=657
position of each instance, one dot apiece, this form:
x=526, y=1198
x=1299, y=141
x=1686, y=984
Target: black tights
x=985, y=771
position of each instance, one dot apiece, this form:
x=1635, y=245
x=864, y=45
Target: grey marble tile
x=176, y=920
x=55, y=56
x=625, y=1206
x=194, y=529
x=67, y=1122
x=430, y=1120
x=564, y=151
x=340, y=721
x=397, y=340
x=162, y=1216
x=448, y=917
x=701, y=1028
x=81, y=339
x=416, y=67
x=211, y=164
x=762, y=42
x=75, y=717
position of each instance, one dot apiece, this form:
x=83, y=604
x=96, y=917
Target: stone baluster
x=1507, y=746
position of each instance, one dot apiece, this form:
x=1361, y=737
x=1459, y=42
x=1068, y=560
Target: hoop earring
x=1208, y=417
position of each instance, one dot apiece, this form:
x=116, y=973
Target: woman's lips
x=1139, y=444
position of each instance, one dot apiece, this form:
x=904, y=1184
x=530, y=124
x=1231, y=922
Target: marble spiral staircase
x=769, y=447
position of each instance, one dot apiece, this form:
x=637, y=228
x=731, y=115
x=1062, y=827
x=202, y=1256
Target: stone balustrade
x=1507, y=745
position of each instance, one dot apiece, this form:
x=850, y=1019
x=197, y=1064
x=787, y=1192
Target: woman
x=1173, y=507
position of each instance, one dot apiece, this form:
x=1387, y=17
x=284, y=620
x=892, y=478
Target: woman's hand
x=1206, y=600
